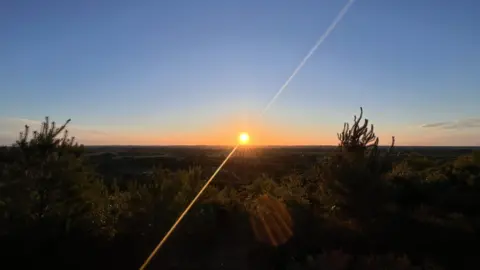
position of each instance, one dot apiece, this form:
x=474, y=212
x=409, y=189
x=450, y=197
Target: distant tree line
x=360, y=207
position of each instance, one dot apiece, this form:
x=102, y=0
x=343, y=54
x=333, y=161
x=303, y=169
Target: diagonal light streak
x=164, y=239
x=322, y=38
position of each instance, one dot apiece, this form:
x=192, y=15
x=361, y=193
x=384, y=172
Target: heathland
x=352, y=206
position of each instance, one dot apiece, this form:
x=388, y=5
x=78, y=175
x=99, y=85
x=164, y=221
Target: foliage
x=45, y=184
x=153, y=204
x=338, y=260
x=352, y=178
x=359, y=207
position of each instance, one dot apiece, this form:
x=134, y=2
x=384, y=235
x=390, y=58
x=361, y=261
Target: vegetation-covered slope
x=359, y=207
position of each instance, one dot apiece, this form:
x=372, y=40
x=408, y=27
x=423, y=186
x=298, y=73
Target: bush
x=48, y=193
x=358, y=209
x=352, y=178
x=338, y=260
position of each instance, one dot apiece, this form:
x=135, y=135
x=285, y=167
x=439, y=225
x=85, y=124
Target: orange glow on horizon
x=223, y=132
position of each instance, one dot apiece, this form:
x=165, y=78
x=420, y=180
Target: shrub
x=49, y=197
x=47, y=182
x=338, y=260
x=352, y=178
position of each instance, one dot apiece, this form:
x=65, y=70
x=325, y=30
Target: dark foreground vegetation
x=355, y=206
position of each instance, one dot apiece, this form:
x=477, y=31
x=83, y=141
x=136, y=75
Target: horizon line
x=262, y=145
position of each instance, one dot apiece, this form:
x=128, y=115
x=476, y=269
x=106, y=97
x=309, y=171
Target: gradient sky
x=198, y=72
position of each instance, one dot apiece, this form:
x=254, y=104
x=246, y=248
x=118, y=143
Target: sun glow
x=243, y=138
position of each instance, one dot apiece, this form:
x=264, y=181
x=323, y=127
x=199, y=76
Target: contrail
x=332, y=26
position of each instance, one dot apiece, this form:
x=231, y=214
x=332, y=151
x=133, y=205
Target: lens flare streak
x=332, y=26
x=174, y=226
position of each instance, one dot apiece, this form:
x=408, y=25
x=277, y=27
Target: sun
x=243, y=138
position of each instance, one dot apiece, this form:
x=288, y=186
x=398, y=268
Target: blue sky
x=198, y=72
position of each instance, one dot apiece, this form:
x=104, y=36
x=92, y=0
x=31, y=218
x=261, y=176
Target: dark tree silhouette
x=351, y=179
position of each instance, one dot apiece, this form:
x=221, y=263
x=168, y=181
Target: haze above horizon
x=200, y=72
